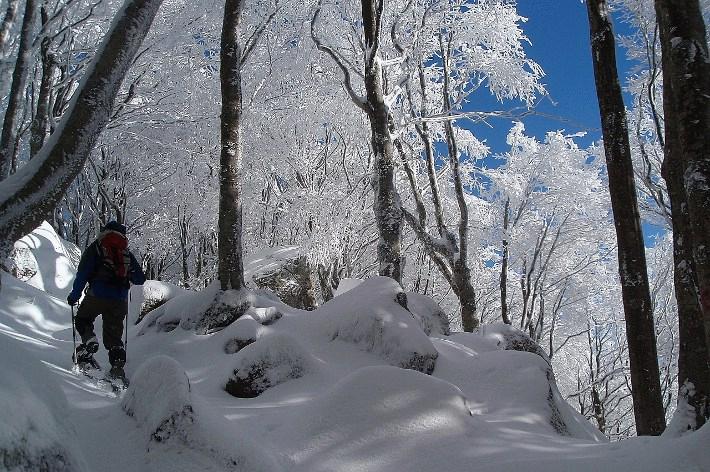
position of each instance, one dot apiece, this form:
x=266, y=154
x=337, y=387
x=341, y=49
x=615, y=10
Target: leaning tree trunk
x=231, y=264
x=686, y=169
x=640, y=333
x=388, y=213
x=28, y=195
x=8, y=136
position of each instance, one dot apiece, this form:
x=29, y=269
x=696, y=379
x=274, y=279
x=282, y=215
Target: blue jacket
x=86, y=272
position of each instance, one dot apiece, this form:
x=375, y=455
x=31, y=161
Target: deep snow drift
x=361, y=384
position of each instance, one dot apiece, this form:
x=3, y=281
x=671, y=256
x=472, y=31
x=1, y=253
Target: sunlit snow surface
x=353, y=409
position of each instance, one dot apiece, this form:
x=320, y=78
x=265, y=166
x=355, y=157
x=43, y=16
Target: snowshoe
x=116, y=378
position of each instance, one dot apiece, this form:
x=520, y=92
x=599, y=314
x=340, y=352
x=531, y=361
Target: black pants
x=113, y=312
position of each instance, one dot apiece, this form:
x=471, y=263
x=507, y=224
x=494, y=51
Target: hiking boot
x=92, y=345
x=117, y=356
x=83, y=354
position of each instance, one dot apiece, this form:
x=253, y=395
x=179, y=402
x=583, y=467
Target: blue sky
x=559, y=32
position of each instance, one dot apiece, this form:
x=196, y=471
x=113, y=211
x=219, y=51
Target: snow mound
x=266, y=363
x=369, y=418
x=159, y=399
x=429, y=314
x=370, y=317
x=514, y=389
x=45, y=261
x=33, y=435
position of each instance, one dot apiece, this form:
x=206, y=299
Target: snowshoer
x=109, y=268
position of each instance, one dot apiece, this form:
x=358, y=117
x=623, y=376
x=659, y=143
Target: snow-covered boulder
x=378, y=418
x=266, y=363
x=371, y=317
x=242, y=333
x=429, y=314
x=34, y=435
x=516, y=389
x=291, y=282
x=510, y=338
x=155, y=294
x=45, y=261
x=159, y=400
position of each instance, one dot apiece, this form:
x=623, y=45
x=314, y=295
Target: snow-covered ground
x=332, y=393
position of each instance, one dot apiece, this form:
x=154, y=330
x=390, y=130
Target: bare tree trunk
x=231, y=264
x=388, y=213
x=504, y=268
x=686, y=169
x=640, y=330
x=7, y=22
x=17, y=89
x=40, y=123
x=27, y=196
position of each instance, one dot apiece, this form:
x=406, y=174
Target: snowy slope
x=337, y=398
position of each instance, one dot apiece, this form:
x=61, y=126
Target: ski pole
x=125, y=332
x=73, y=334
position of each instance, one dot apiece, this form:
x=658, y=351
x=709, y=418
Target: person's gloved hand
x=72, y=299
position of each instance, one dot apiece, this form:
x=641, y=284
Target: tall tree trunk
x=8, y=136
x=640, y=331
x=388, y=213
x=686, y=169
x=231, y=264
x=27, y=196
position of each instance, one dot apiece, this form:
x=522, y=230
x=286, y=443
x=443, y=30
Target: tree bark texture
x=686, y=103
x=29, y=195
x=40, y=123
x=387, y=208
x=10, y=124
x=231, y=264
x=640, y=330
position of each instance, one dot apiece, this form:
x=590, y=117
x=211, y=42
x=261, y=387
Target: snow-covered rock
x=266, y=363
x=429, y=314
x=370, y=317
x=514, y=388
x=291, y=281
x=242, y=333
x=159, y=400
x=155, y=294
x=510, y=338
x=45, y=261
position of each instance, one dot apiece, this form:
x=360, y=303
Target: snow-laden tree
x=28, y=195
